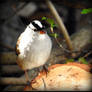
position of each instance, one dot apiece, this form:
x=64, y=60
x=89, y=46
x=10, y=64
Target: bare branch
x=60, y=24
x=44, y=84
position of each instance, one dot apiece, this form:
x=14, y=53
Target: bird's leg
x=28, y=80
x=45, y=69
x=27, y=77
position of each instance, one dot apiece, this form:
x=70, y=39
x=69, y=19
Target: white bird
x=33, y=47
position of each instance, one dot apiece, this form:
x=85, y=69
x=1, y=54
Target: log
x=82, y=39
x=10, y=69
x=21, y=81
x=7, y=58
x=63, y=77
x=13, y=88
x=12, y=81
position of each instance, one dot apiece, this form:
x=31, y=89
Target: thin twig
x=26, y=76
x=87, y=54
x=44, y=84
x=60, y=45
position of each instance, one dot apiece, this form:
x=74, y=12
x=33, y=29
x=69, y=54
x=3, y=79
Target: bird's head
x=38, y=26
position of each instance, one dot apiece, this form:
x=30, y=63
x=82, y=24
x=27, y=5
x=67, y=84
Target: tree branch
x=60, y=23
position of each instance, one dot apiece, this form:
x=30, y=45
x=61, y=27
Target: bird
x=33, y=47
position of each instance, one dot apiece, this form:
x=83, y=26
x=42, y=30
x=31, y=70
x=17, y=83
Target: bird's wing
x=26, y=37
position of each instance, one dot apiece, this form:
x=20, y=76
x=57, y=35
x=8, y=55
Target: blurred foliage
x=54, y=35
x=82, y=60
x=52, y=25
x=70, y=60
x=50, y=21
x=86, y=11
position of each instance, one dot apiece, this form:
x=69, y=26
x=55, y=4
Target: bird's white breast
x=39, y=51
x=34, y=49
x=26, y=40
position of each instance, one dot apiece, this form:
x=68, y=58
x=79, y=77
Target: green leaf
x=44, y=18
x=50, y=21
x=54, y=35
x=82, y=60
x=53, y=25
x=69, y=60
x=86, y=11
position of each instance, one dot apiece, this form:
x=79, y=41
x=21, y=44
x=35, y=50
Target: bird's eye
x=35, y=29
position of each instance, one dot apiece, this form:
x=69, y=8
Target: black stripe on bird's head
x=39, y=25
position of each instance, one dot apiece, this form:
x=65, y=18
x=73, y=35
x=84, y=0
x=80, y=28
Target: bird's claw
x=46, y=70
x=29, y=84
